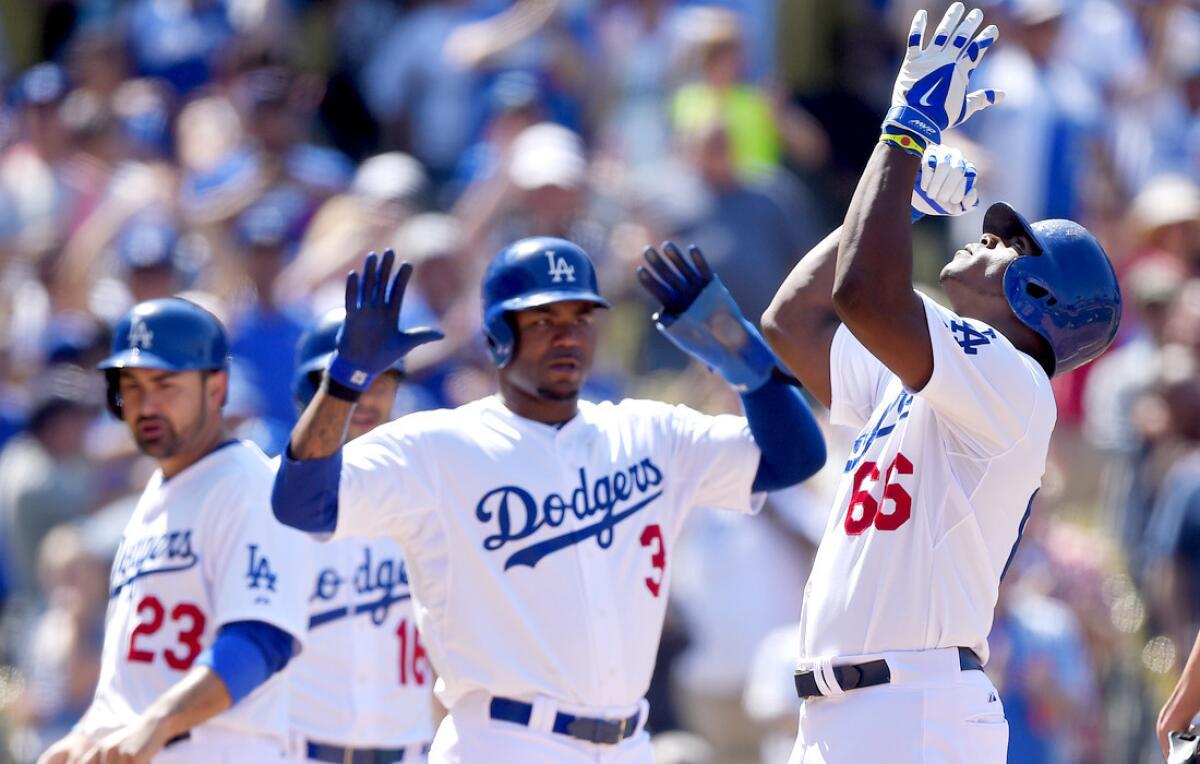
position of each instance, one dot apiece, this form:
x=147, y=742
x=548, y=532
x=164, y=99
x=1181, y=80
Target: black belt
x=607, y=731
x=336, y=754
x=182, y=736
x=870, y=674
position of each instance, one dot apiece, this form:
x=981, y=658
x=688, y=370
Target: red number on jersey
x=416, y=662
x=189, y=637
x=155, y=607
x=866, y=478
x=652, y=534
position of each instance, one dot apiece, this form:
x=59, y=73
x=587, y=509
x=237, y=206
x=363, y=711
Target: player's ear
x=216, y=387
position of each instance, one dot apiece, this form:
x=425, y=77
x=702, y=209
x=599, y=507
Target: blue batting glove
x=370, y=340
x=930, y=94
x=700, y=317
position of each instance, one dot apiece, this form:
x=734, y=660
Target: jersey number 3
x=865, y=510
x=189, y=638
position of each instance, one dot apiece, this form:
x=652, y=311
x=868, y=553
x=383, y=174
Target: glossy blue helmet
x=1066, y=291
x=314, y=352
x=170, y=333
x=527, y=274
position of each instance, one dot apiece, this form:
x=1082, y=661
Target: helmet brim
x=538, y=299
x=1004, y=221
x=136, y=358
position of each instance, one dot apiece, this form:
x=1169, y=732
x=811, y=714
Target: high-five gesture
x=701, y=318
x=370, y=340
x=931, y=91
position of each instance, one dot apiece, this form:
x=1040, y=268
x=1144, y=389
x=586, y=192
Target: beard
x=163, y=446
x=170, y=442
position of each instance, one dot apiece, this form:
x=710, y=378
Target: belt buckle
x=607, y=731
x=622, y=728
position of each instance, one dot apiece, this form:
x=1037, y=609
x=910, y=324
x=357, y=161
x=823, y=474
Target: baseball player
x=954, y=413
x=362, y=691
x=206, y=592
x=539, y=529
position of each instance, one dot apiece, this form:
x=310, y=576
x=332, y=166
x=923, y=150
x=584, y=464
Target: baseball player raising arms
x=539, y=529
x=362, y=690
x=206, y=593
x=954, y=412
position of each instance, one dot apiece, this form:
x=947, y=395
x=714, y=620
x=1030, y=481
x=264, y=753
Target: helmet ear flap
x=501, y=339
x=113, y=393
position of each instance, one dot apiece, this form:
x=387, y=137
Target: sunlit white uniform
x=934, y=495
x=201, y=550
x=364, y=680
x=539, y=555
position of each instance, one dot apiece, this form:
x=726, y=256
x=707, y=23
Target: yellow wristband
x=906, y=142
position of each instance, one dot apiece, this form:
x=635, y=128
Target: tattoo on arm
x=322, y=427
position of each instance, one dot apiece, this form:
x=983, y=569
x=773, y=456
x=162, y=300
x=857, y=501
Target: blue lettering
x=496, y=503
x=597, y=500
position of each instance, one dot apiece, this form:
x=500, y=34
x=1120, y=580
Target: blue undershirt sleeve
x=786, y=432
x=246, y=653
x=305, y=495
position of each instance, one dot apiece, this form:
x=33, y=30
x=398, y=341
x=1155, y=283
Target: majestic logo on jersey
x=560, y=269
x=149, y=555
x=381, y=584
x=518, y=515
x=896, y=411
x=969, y=338
x=140, y=335
x=258, y=572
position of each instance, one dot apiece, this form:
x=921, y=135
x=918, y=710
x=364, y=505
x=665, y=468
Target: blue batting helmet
x=314, y=352
x=1066, y=291
x=170, y=333
x=527, y=274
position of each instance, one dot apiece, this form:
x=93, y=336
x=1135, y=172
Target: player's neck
x=537, y=408
x=202, y=447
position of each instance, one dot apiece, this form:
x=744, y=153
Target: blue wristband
x=910, y=119
x=713, y=330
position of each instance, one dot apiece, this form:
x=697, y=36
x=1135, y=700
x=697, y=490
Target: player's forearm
x=321, y=429
x=874, y=261
x=1184, y=702
x=191, y=701
x=800, y=322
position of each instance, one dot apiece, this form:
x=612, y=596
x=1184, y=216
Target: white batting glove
x=930, y=94
x=945, y=185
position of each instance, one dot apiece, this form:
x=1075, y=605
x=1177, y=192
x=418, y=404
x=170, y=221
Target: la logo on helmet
x=140, y=335
x=559, y=268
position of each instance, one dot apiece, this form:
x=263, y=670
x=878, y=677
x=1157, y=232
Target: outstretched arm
x=700, y=317
x=802, y=320
x=872, y=290
x=1183, y=705
x=370, y=341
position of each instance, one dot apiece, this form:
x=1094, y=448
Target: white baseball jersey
x=933, y=496
x=364, y=680
x=201, y=550
x=539, y=555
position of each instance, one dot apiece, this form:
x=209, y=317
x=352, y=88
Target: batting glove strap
x=714, y=331
x=347, y=380
x=902, y=120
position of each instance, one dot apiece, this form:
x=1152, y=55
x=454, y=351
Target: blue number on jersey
x=259, y=572
x=969, y=338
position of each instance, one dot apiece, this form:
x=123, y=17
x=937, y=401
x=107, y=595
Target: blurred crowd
x=248, y=153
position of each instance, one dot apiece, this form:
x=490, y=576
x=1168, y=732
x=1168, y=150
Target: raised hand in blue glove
x=370, y=340
x=701, y=318
x=931, y=90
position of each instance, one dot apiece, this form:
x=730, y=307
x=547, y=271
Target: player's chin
x=156, y=447
x=560, y=390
